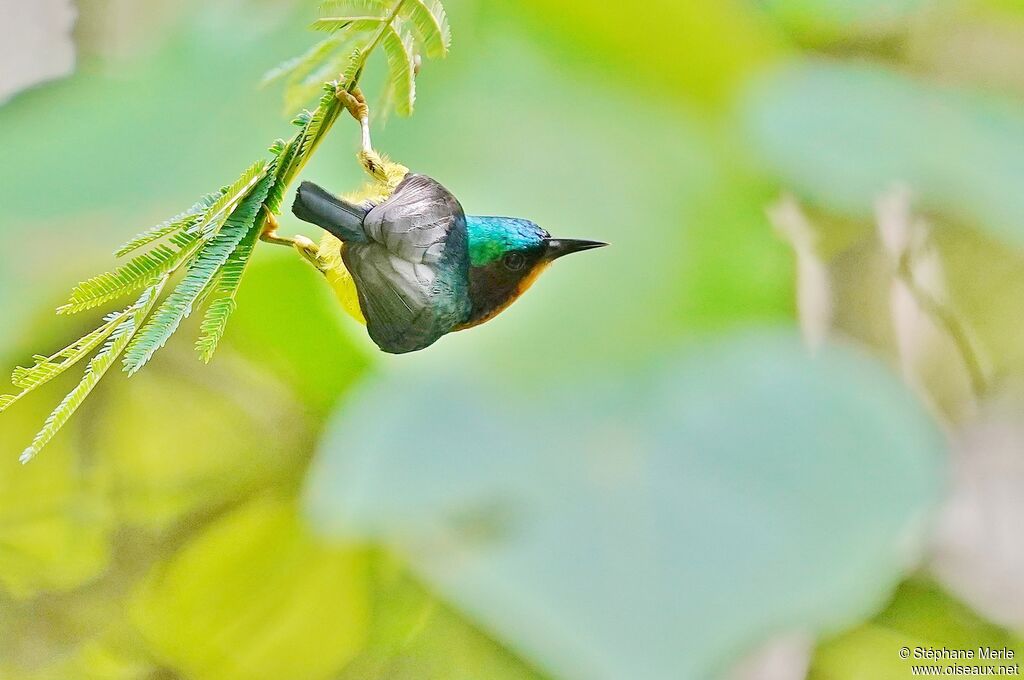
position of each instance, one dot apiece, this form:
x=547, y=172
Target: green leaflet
x=48, y=368
x=143, y=270
x=211, y=258
x=398, y=48
x=182, y=221
x=230, y=198
x=357, y=24
x=98, y=366
x=344, y=8
x=355, y=63
x=285, y=158
x=299, y=93
x=301, y=66
x=307, y=74
x=420, y=25
x=223, y=291
x=429, y=22
x=327, y=111
x=207, y=291
x=139, y=272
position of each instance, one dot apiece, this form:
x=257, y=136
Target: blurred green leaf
x=776, y=490
x=831, y=21
x=920, y=615
x=255, y=596
x=842, y=134
x=712, y=45
x=413, y=636
x=234, y=431
x=691, y=249
x=54, y=525
x=288, y=322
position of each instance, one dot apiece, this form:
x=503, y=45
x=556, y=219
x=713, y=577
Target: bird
x=421, y=267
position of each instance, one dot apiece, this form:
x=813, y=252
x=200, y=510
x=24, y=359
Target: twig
x=952, y=325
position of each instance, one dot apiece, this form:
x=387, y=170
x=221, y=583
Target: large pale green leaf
x=652, y=526
x=841, y=135
x=413, y=636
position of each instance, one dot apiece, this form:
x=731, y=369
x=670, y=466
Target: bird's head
x=506, y=255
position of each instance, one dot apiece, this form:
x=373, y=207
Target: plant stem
x=330, y=115
x=383, y=29
x=948, y=320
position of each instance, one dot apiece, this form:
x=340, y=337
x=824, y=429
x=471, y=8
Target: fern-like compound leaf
x=298, y=93
x=275, y=197
x=354, y=24
x=218, y=213
x=311, y=134
x=98, y=366
x=214, y=240
x=183, y=221
x=179, y=304
x=139, y=272
x=399, y=51
x=429, y=23
x=353, y=8
x=353, y=64
x=46, y=369
x=222, y=302
x=302, y=65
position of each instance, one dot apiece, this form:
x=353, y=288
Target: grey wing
x=416, y=220
x=412, y=277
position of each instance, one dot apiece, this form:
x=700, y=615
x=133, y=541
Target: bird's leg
x=303, y=245
x=355, y=103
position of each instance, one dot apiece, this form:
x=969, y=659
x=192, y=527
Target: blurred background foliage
x=639, y=471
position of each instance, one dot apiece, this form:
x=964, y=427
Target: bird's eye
x=515, y=261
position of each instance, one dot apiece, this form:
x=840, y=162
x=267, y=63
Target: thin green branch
x=384, y=27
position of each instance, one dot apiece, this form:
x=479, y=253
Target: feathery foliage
x=429, y=23
x=301, y=66
x=407, y=30
x=179, y=303
x=182, y=221
x=215, y=216
x=223, y=290
x=398, y=48
x=46, y=369
x=139, y=272
x=213, y=241
x=98, y=366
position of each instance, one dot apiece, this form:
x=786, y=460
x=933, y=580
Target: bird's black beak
x=557, y=247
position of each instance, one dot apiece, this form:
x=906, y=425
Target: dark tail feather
x=342, y=219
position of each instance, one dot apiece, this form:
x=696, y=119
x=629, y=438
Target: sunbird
x=421, y=267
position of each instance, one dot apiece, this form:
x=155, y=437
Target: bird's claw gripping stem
x=355, y=103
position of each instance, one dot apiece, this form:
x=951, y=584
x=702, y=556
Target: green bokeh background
x=637, y=471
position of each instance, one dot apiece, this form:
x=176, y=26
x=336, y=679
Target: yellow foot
x=305, y=247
